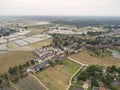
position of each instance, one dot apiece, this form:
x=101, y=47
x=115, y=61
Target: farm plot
x=21, y=42
x=28, y=83
x=23, y=33
x=36, y=38
x=12, y=39
x=3, y=40
x=7, y=88
x=3, y=47
x=31, y=39
x=57, y=78
x=85, y=58
x=11, y=59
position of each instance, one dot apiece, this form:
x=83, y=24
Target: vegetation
x=97, y=74
x=59, y=75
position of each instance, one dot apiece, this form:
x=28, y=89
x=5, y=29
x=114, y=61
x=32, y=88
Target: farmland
x=14, y=58
x=14, y=47
x=59, y=75
x=8, y=88
x=85, y=58
x=28, y=83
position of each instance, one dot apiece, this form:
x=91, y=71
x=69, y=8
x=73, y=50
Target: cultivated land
x=85, y=58
x=28, y=83
x=8, y=88
x=14, y=47
x=14, y=58
x=34, y=32
x=57, y=78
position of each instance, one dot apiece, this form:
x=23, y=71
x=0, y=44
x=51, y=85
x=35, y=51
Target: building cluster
x=114, y=75
x=6, y=31
x=45, y=55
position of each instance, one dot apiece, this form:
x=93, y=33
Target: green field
x=57, y=78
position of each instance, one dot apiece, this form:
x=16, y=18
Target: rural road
x=82, y=65
x=38, y=81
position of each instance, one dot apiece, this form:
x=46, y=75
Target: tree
x=0, y=81
x=27, y=63
x=13, y=70
x=94, y=82
x=20, y=67
x=83, y=76
x=5, y=77
x=32, y=62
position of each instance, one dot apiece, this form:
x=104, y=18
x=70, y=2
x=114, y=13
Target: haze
x=60, y=7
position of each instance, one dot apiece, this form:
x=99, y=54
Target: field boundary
x=38, y=81
x=82, y=65
x=16, y=88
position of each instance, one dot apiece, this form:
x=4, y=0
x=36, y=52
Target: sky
x=60, y=7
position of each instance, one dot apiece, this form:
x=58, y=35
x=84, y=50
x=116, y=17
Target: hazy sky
x=60, y=7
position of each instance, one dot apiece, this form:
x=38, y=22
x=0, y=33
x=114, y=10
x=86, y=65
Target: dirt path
x=38, y=81
x=14, y=86
x=82, y=65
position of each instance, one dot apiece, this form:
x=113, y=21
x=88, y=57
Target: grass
x=14, y=58
x=34, y=32
x=69, y=67
x=57, y=78
x=85, y=58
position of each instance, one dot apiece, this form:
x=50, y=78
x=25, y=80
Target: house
x=39, y=68
x=85, y=86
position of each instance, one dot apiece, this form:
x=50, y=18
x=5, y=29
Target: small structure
x=85, y=86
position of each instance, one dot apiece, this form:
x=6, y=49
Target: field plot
x=57, y=78
x=12, y=39
x=11, y=59
x=35, y=31
x=85, y=58
x=31, y=39
x=15, y=47
x=28, y=83
x=3, y=41
x=21, y=42
x=8, y=88
x=56, y=31
x=3, y=47
x=36, y=38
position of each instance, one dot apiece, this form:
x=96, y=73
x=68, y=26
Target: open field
x=85, y=58
x=57, y=78
x=14, y=58
x=28, y=83
x=14, y=47
x=34, y=32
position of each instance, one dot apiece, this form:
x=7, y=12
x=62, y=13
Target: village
x=65, y=41
x=46, y=55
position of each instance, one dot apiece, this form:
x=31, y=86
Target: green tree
x=32, y=62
